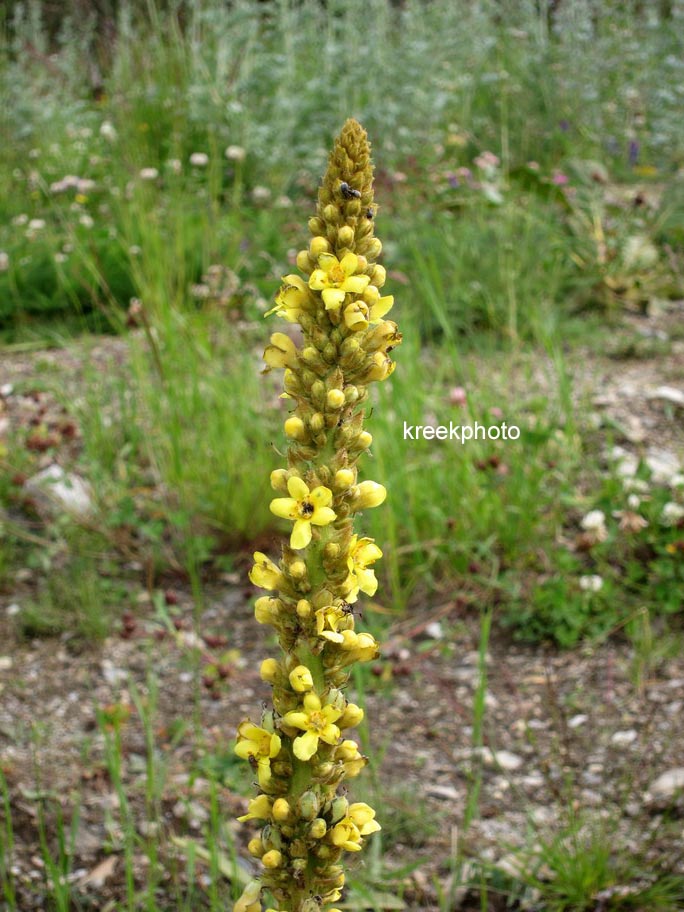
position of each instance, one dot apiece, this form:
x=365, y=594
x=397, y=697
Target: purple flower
x=564, y=125
x=633, y=152
x=454, y=182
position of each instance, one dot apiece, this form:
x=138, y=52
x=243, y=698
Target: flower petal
x=322, y=516
x=326, y=261
x=305, y=746
x=383, y=306
x=297, y=488
x=285, y=507
x=317, y=280
x=296, y=719
x=355, y=284
x=301, y=534
x=321, y=496
x=332, y=298
x=349, y=264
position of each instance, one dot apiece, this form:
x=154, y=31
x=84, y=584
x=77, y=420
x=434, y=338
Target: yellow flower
x=360, y=647
x=304, y=508
x=301, y=679
x=250, y=899
x=291, y=300
x=317, y=722
x=282, y=351
x=377, y=306
x=369, y=494
x=258, y=809
x=359, y=822
x=362, y=552
x=334, y=278
x=353, y=760
x=257, y=744
x=328, y=620
x=264, y=573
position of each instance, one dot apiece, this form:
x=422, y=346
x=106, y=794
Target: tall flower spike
x=299, y=751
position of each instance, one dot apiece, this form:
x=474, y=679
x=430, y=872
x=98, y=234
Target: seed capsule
x=308, y=805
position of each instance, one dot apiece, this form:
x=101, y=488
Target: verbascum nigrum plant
x=300, y=751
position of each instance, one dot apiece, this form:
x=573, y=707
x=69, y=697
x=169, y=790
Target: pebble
x=623, y=738
x=666, y=787
x=53, y=487
x=578, y=720
x=668, y=394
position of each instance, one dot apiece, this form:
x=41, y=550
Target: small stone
x=445, y=792
x=623, y=738
x=434, y=630
x=669, y=394
x=5, y=663
x=663, y=465
x=13, y=610
x=666, y=788
x=53, y=487
x=6, y=390
x=578, y=720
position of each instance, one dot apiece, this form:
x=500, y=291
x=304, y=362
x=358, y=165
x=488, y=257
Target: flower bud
x=294, y=427
x=301, y=679
x=339, y=807
x=269, y=671
x=318, y=828
x=255, y=847
x=351, y=717
x=335, y=399
x=317, y=422
x=318, y=246
x=331, y=551
x=378, y=276
x=364, y=440
x=303, y=262
x=272, y=859
x=303, y=609
x=279, y=479
x=281, y=810
x=374, y=248
x=267, y=610
x=297, y=569
x=345, y=236
x=330, y=214
x=344, y=478
x=307, y=805
x=316, y=225
x=282, y=351
x=369, y=494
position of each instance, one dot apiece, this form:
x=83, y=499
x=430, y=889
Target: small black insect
x=307, y=508
x=349, y=192
x=369, y=213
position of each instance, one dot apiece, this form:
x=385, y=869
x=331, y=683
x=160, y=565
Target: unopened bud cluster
x=300, y=750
